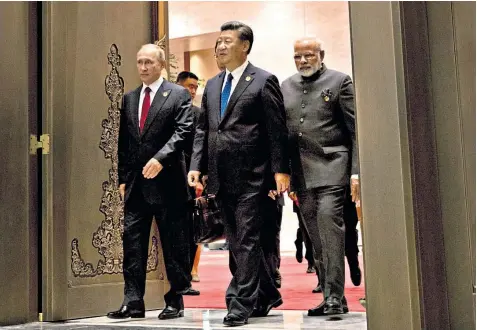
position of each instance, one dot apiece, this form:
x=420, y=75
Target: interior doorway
x=193, y=28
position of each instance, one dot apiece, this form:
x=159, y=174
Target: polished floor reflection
x=210, y=319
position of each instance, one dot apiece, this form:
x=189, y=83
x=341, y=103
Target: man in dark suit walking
x=190, y=81
x=155, y=121
x=319, y=105
x=241, y=144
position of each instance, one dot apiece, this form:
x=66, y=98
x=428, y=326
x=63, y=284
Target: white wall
x=275, y=25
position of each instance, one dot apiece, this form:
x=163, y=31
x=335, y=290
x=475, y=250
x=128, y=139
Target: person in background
x=356, y=199
x=350, y=217
x=190, y=81
x=309, y=247
x=302, y=237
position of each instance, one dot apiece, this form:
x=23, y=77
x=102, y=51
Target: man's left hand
x=152, y=169
x=283, y=182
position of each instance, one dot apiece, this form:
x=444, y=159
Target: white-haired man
x=319, y=104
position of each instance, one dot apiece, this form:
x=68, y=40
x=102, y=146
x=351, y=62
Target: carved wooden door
x=89, y=60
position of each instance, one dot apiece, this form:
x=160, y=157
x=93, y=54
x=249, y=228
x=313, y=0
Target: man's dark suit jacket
x=242, y=150
x=320, y=119
x=163, y=137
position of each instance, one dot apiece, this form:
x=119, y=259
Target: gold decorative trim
x=162, y=42
x=172, y=60
x=108, y=238
x=153, y=258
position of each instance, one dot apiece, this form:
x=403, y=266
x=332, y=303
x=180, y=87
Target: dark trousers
x=322, y=209
x=350, y=216
x=270, y=238
x=303, y=237
x=251, y=282
x=172, y=222
x=192, y=245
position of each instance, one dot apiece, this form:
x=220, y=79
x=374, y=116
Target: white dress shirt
x=154, y=88
x=237, y=74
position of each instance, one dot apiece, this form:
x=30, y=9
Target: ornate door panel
x=89, y=55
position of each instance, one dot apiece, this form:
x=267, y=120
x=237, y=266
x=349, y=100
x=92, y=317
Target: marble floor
x=208, y=320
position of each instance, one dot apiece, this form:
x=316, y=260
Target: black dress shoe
x=263, y=310
x=310, y=269
x=126, y=312
x=191, y=292
x=171, y=313
x=317, y=289
x=233, y=320
x=320, y=309
x=333, y=306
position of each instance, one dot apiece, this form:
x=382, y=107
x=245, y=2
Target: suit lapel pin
x=248, y=78
x=165, y=94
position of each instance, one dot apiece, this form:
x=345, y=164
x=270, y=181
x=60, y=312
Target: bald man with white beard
x=319, y=105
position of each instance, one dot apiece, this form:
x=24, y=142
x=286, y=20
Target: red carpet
x=296, y=284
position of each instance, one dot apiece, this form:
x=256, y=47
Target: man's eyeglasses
x=307, y=57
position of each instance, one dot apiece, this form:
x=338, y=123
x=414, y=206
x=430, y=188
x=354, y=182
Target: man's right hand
x=122, y=190
x=193, y=178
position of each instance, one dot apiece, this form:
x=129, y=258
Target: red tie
x=146, y=104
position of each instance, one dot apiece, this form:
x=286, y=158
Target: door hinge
x=43, y=143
